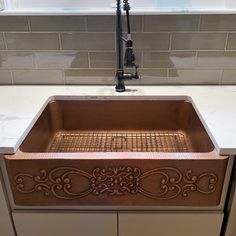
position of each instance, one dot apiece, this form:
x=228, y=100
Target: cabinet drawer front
x=169, y=224
x=61, y=224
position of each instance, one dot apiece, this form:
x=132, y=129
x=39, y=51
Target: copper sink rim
x=198, y=154
x=118, y=97
x=19, y=155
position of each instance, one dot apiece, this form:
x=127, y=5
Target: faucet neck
x=129, y=55
x=119, y=40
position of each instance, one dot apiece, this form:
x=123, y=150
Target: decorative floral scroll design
x=116, y=181
x=193, y=183
x=65, y=182
x=56, y=182
x=173, y=183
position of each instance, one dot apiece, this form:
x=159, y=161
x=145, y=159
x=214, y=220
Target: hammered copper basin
x=118, y=126
x=117, y=152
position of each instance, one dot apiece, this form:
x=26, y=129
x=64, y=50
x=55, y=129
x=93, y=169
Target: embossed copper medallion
x=117, y=153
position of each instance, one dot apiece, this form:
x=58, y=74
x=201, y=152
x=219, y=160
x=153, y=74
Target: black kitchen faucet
x=127, y=60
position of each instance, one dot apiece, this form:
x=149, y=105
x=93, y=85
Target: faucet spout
x=127, y=60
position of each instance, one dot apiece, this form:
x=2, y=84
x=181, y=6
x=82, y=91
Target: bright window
x=72, y=4
x=107, y=6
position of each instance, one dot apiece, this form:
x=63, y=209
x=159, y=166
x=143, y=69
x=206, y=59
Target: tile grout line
x=199, y=23
x=5, y=41
x=196, y=59
x=168, y=73
x=142, y=60
x=105, y=68
x=114, y=35
x=86, y=24
x=221, y=77
x=48, y=51
x=29, y=24
x=63, y=77
x=142, y=23
x=226, y=42
x=111, y=51
x=11, y=73
x=89, y=60
x=69, y=68
x=35, y=61
x=60, y=41
x=12, y=76
x=134, y=32
x=170, y=41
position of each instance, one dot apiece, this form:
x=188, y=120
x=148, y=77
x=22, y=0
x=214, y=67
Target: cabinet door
x=65, y=224
x=231, y=226
x=170, y=224
x=6, y=227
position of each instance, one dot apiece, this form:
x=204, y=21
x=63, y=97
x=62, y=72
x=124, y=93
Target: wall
x=184, y=49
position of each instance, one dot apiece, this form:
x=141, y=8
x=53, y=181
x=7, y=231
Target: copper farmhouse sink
x=117, y=153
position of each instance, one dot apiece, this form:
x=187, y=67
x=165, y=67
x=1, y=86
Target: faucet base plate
x=120, y=88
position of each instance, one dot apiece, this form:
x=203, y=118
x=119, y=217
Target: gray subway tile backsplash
x=194, y=76
x=228, y=77
x=57, y=23
x=101, y=24
x=152, y=76
x=32, y=41
x=198, y=41
x=181, y=49
x=171, y=23
x=108, y=59
x=108, y=23
x=151, y=41
x=88, y=41
x=62, y=60
x=136, y=23
x=103, y=59
x=5, y=77
x=2, y=43
x=13, y=23
x=218, y=23
x=38, y=77
x=231, y=44
x=86, y=76
x=217, y=59
x=16, y=59
x=169, y=59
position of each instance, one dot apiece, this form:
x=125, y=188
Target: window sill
x=111, y=11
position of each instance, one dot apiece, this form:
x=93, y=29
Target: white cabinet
x=129, y=223
x=170, y=224
x=6, y=227
x=231, y=225
x=65, y=224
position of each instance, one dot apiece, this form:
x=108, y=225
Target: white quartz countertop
x=20, y=106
